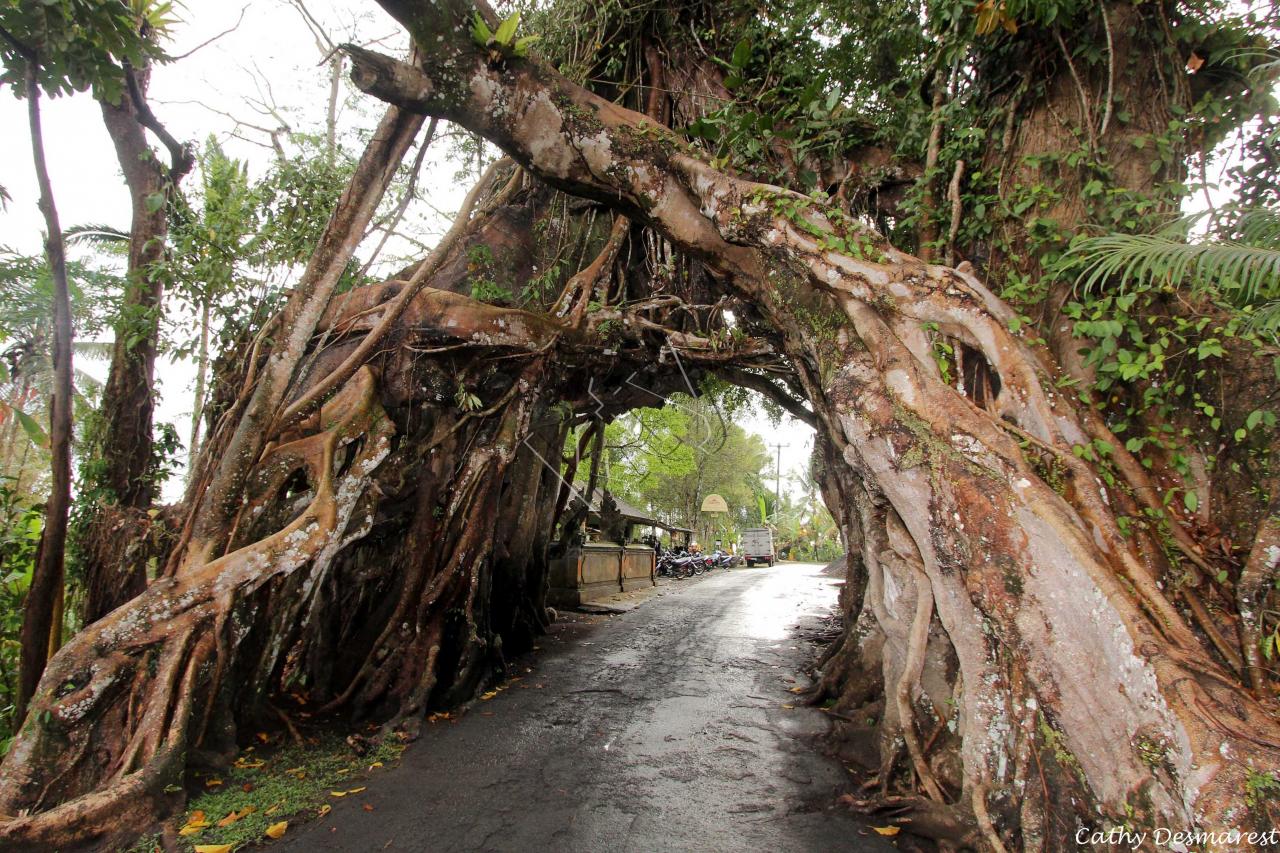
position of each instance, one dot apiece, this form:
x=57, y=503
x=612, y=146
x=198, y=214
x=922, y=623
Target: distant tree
x=54, y=48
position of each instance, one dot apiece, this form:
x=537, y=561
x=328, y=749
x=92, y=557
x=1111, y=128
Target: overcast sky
x=268, y=57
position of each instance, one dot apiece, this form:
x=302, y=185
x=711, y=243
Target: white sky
x=270, y=56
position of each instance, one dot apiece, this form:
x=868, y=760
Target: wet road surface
x=661, y=729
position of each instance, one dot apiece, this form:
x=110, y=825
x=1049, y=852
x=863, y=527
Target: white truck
x=757, y=546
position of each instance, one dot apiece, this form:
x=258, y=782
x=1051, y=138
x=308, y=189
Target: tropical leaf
x=521, y=46
x=1266, y=317
x=29, y=425
x=480, y=32
x=507, y=30
x=1243, y=272
x=1259, y=227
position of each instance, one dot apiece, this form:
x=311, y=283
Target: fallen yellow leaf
x=796, y=689
x=337, y=793
x=324, y=810
x=375, y=764
x=213, y=848
x=232, y=817
x=887, y=830
x=213, y=783
x=485, y=697
x=277, y=829
x=194, y=824
x=789, y=707
x=356, y=790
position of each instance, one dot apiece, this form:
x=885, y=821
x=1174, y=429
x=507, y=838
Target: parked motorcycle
x=723, y=559
x=678, y=563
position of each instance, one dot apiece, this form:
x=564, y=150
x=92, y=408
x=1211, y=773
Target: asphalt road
x=661, y=729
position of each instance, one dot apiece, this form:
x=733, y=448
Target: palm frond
x=1266, y=319
x=1259, y=227
x=1242, y=272
x=93, y=350
x=86, y=384
x=96, y=234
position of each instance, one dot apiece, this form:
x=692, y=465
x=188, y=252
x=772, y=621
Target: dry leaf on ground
x=232, y=817
x=195, y=823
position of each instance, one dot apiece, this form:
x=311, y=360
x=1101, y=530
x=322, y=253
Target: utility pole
x=777, y=480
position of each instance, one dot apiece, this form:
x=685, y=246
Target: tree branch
x=181, y=157
x=761, y=384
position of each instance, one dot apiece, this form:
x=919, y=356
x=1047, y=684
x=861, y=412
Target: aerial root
x=912, y=669
x=985, y=823
x=920, y=815
x=166, y=653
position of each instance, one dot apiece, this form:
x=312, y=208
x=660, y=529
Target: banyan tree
x=383, y=482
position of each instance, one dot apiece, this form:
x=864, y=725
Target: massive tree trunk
x=1029, y=578
x=438, y=446
x=391, y=546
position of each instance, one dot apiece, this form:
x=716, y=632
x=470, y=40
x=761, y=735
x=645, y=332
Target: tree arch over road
x=374, y=511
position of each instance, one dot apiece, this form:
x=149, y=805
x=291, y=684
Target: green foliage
x=504, y=39
x=235, y=242
x=20, y=524
x=482, y=271
x=1244, y=272
x=667, y=460
x=26, y=356
x=294, y=201
x=466, y=401
x=544, y=286
x=1261, y=789
x=1162, y=311
x=78, y=44
x=26, y=296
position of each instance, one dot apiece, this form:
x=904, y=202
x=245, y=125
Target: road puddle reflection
x=770, y=608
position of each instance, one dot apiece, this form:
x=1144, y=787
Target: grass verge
x=267, y=786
